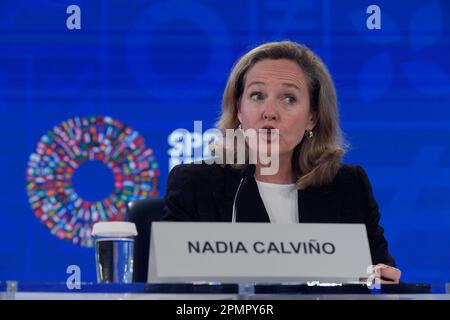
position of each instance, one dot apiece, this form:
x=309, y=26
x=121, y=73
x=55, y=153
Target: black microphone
x=247, y=171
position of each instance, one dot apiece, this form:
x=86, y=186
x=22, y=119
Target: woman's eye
x=290, y=99
x=255, y=96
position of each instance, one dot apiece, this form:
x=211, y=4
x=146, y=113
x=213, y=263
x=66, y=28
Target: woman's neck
x=284, y=174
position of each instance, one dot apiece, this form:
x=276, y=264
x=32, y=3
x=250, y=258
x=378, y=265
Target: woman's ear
x=312, y=121
x=239, y=115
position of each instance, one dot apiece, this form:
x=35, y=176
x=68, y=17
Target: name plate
x=258, y=252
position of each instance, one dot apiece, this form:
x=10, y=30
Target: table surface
x=142, y=291
x=174, y=296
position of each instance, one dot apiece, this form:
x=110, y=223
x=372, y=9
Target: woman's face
x=276, y=96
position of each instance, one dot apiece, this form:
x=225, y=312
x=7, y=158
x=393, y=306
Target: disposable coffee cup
x=114, y=246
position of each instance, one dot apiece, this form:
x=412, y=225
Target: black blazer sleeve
x=377, y=242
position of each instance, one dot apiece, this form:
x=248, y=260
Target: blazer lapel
x=250, y=207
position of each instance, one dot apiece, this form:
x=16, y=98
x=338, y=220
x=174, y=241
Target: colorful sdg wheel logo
x=74, y=143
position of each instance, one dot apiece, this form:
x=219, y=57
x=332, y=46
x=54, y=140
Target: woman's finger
x=388, y=273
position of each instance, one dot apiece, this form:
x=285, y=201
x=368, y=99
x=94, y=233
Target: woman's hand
x=385, y=274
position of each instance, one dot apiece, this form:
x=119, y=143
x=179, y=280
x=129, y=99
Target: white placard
x=258, y=252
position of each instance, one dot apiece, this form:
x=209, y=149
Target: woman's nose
x=270, y=112
x=270, y=116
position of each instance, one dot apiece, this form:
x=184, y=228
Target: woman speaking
x=282, y=91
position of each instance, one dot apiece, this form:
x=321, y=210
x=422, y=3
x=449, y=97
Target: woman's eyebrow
x=287, y=84
x=284, y=84
x=255, y=82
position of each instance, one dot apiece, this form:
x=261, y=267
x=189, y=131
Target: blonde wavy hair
x=315, y=160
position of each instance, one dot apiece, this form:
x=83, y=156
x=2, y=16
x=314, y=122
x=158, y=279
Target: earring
x=240, y=126
x=309, y=134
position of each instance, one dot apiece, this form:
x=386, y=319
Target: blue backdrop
x=157, y=66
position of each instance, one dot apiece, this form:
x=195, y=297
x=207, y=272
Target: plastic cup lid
x=114, y=229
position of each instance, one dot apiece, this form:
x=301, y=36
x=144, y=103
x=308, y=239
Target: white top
x=280, y=200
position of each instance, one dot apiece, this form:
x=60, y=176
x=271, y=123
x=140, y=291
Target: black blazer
x=202, y=192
